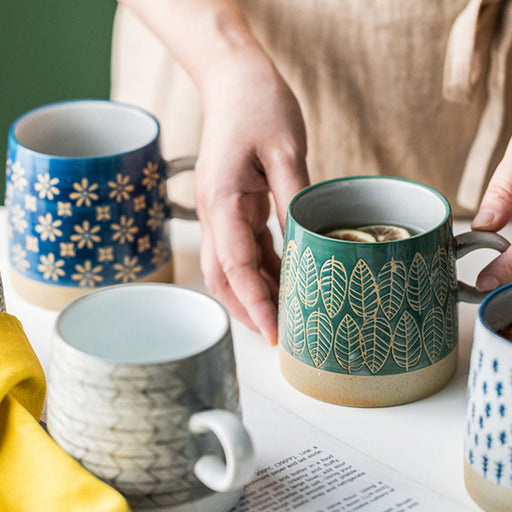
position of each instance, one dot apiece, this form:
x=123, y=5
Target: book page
x=301, y=468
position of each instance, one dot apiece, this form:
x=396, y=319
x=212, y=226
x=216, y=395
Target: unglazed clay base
x=53, y=296
x=371, y=390
x=489, y=496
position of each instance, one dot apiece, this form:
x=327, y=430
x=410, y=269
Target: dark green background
x=51, y=50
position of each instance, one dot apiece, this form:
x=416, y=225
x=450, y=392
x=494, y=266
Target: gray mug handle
x=174, y=167
x=471, y=241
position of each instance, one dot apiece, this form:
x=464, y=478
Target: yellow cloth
x=36, y=475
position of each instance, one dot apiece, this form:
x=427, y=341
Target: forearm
x=201, y=34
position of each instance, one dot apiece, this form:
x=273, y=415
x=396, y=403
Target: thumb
x=496, y=206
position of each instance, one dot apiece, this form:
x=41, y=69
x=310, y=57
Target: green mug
x=372, y=324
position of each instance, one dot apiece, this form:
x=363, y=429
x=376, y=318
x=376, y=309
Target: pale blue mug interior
x=143, y=323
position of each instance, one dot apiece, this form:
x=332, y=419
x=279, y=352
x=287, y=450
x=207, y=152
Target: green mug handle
x=471, y=241
x=186, y=163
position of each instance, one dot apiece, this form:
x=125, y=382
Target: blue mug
x=87, y=200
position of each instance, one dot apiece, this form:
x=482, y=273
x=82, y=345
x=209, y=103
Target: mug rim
x=118, y=154
x=320, y=184
x=133, y=364
x=481, y=314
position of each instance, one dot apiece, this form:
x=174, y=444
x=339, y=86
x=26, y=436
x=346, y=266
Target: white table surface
x=423, y=440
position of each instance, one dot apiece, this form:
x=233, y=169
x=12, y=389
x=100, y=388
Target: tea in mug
x=372, y=233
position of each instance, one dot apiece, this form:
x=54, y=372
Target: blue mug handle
x=186, y=163
x=468, y=242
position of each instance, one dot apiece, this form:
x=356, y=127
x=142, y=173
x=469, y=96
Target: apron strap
x=475, y=29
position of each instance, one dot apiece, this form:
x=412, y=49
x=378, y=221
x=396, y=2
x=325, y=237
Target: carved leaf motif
x=290, y=264
x=407, y=342
x=281, y=319
x=333, y=285
x=433, y=333
x=440, y=275
x=295, y=330
x=347, y=345
x=307, y=281
x=392, y=280
x=450, y=323
x=418, y=285
x=363, y=293
x=377, y=339
x=319, y=337
x=452, y=266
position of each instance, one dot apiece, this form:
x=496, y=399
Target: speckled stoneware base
x=489, y=496
x=53, y=296
x=367, y=390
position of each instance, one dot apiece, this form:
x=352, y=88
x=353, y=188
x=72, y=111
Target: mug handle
x=174, y=167
x=238, y=451
x=468, y=242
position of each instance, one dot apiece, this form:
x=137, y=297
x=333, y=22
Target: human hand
x=253, y=143
x=494, y=213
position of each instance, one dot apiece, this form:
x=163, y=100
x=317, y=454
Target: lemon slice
x=352, y=235
x=386, y=233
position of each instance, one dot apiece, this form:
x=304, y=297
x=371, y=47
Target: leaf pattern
x=348, y=349
x=433, y=333
x=333, y=285
x=290, y=264
x=307, y=282
x=319, y=337
x=295, y=331
x=440, y=275
x=407, y=342
x=452, y=266
x=363, y=292
x=376, y=339
x=450, y=323
x=392, y=280
x=418, y=285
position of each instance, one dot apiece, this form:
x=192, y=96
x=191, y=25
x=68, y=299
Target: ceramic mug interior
x=496, y=310
x=143, y=323
x=85, y=129
x=369, y=200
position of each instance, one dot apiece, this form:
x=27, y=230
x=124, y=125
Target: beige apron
x=415, y=89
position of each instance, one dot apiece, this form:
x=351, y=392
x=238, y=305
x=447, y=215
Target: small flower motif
x=124, y=231
x=63, y=209
x=30, y=203
x=85, y=193
x=161, y=254
x=32, y=243
x=156, y=215
x=139, y=203
x=50, y=268
x=86, y=275
x=48, y=228
x=120, y=188
x=8, y=167
x=67, y=249
x=46, y=186
x=18, y=176
x=143, y=244
x=86, y=235
x=9, y=191
x=128, y=270
x=106, y=253
x=18, y=258
x=150, y=179
x=162, y=189
x=103, y=213
x=18, y=219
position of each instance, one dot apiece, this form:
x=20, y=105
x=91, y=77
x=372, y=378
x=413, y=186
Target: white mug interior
x=496, y=310
x=85, y=129
x=353, y=202
x=143, y=323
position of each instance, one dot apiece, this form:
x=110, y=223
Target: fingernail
x=487, y=282
x=483, y=219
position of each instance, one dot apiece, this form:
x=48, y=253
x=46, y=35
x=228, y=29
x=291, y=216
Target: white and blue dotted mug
x=87, y=200
x=488, y=435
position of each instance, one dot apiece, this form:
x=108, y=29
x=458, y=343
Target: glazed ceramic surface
x=141, y=393
x=488, y=438
x=370, y=309
x=87, y=198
